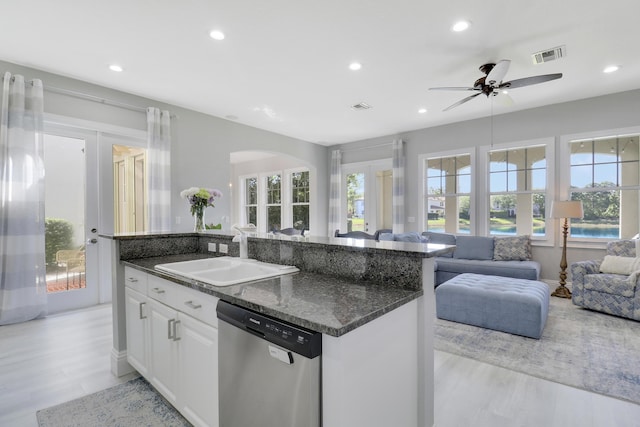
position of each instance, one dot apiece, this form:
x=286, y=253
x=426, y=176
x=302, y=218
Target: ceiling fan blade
x=528, y=81
x=462, y=101
x=453, y=88
x=498, y=72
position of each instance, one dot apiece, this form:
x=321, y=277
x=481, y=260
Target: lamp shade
x=567, y=209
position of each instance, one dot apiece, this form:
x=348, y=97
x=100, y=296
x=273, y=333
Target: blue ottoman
x=517, y=306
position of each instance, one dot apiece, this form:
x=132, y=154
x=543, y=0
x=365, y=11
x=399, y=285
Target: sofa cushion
x=474, y=247
x=512, y=248
x=441, y=239
x=385, y=237
x=613, y=284
x=517, y=269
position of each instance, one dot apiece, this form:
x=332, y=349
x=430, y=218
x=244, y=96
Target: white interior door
x=71, y=216
x=367, y=198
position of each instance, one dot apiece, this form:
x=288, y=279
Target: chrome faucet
x=242, y=238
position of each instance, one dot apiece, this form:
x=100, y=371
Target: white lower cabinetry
x=172, y=340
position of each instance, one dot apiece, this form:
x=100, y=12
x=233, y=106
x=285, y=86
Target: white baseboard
x=119, y=364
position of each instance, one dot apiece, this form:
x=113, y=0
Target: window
x=274, y=202
x=447, y=202
x=251, y=200
x=604, y=175
x=300, y=200
x=517, y=191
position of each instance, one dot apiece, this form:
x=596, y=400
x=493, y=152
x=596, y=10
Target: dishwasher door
x=264, y=381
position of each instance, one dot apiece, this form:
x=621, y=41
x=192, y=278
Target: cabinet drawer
x=161, y=290
x=135, y=279
x=197, y=304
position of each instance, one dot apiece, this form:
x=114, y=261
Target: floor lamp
x=565, y=209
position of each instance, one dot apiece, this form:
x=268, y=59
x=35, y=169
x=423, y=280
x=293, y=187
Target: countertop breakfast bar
x=372, y=301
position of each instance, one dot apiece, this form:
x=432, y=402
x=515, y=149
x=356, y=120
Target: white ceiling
x=283, y=66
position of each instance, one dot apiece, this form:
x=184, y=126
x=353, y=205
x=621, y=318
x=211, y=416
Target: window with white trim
x=276, y=200
x=517, y=191
x=447, y=193
x=605, y=176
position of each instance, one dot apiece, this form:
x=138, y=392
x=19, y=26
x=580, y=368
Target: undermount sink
x=225, y=271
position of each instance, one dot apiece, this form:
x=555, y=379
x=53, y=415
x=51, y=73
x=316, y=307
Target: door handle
x=158, y=290
x=92, y=241
x=170, y=329
x=142, y=316
x=175, y=331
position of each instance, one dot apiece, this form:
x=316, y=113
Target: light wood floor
x=53, y=360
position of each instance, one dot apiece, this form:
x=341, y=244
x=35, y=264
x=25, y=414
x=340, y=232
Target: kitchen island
x=369, y=304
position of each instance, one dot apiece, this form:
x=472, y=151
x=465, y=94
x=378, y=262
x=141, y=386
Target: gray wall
x=594, y=114
x=200, y=143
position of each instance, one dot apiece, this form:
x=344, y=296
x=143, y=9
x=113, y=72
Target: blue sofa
x=499, y=256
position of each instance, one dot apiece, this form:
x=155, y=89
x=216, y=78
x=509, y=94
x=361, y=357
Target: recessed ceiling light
x=115, y=67
x=355, y=66
x=422, y=110
x=611, y=69
x=216, y=35
x=460, y=26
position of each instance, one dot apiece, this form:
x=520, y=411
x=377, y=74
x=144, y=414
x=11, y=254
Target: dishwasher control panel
x=299, y=340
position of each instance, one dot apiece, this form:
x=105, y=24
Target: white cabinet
x=137, y=308
x=172, y=340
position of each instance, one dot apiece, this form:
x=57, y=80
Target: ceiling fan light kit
x=492, y=82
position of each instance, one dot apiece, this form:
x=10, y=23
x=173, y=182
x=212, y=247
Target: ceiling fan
x=492, y=83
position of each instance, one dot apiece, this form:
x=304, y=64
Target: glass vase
x=198, y=221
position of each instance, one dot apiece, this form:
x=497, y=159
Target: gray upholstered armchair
x=609, y=293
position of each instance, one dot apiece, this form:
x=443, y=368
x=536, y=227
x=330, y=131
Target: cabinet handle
x=132, y=279
x=175, y=331
x=190, y=304
x=142, y=316
x=170, y=330
x=158, y=290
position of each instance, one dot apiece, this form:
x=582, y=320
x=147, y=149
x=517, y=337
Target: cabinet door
x=198, y=367
x=136, y=307
x=163, y=355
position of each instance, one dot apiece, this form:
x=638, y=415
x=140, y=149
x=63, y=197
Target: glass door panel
x=70, y=240
x=367, y=197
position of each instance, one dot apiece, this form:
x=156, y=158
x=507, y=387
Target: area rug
x=579, y=348
x=131, y=404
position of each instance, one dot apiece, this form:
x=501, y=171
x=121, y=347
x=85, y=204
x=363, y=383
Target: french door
x=71, y=218
x=367, y=196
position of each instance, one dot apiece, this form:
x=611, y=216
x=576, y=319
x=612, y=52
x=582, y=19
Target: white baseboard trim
x=119, y=364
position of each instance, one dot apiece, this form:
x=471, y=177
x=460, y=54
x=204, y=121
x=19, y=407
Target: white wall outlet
x=212, y=247
x=224, y=248
x=411, y=219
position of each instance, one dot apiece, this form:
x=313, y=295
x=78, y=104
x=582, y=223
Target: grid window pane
x=252, y=215
x=251, y=191
x=301, y=217
x=300, y=187
x=274, y=215
x=273, y=189
x=447, y=188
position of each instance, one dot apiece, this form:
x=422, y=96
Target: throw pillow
x=474, y=247
x=612, y=264
x=516, y=248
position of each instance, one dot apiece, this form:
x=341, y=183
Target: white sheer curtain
x=398, y=186
x=23, y=288
x=159, y=169
x=334, y=192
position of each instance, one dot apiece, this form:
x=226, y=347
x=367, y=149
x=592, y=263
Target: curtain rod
x=93, y=98
x=367, y=147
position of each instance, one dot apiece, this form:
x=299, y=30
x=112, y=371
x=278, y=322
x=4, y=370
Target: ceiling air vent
x=549, y=55
x=361, y=106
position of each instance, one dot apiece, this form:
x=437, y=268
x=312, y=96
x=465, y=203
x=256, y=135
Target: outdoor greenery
x=600, y=205
x=58, y=235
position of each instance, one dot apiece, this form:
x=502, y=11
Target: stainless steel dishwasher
x=268, y=371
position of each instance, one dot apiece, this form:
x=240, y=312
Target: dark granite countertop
x=325, y=304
